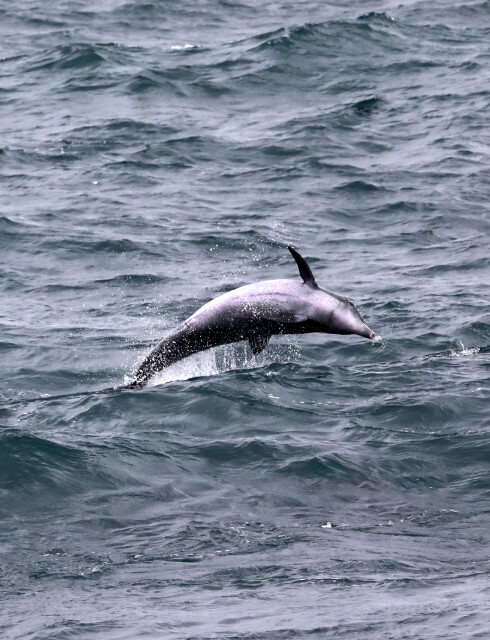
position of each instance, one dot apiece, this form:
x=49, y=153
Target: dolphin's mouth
x=366, y=332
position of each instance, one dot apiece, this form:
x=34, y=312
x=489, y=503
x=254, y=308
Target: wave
x=79, y=246
x=333, y=466
x=338, y=37
x=77, y=55
x=135, y=279
x=255, y=60
x=30, y=464
x=360, y=186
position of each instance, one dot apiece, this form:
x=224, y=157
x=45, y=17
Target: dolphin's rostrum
x=256, y=312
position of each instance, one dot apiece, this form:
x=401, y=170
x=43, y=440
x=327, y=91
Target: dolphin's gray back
x=281, y=301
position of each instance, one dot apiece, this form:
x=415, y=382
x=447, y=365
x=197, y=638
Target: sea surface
x=154, y=155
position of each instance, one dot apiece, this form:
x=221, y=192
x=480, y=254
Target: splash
x=232, y=357
x=464, y=352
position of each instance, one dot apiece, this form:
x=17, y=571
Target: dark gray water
x=153, y=155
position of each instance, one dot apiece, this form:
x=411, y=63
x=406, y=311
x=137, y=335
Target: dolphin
x=256, y=312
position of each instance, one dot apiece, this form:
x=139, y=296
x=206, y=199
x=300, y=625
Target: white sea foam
x=464, y=352
x=180, y=47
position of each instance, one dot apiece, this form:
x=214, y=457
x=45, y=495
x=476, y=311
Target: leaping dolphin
x=256, y=312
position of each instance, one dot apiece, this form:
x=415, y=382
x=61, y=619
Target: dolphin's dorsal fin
x=304, y=269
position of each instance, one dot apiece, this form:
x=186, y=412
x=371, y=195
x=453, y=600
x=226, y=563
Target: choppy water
x=156, y=154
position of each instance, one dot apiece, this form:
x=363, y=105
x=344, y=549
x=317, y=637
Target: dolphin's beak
x=366, y=332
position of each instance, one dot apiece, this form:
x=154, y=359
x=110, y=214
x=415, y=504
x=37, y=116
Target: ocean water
x=154, y=155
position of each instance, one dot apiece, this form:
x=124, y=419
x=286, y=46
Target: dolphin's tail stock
x=139, y=382
x=153, y=363
x=134, y=384
x=122, y=387
x=170, y=350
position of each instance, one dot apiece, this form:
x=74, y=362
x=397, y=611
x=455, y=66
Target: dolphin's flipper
x=304, y=269
x=258, y=342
